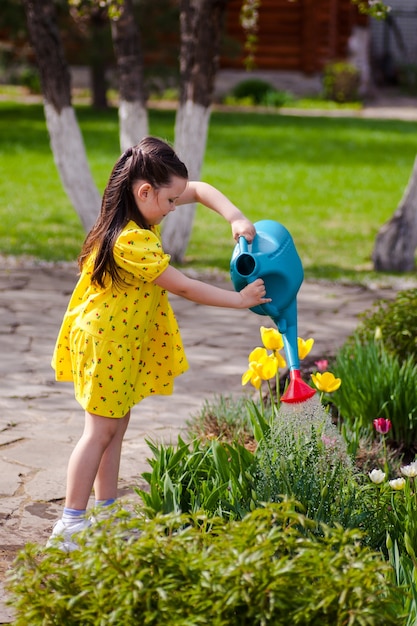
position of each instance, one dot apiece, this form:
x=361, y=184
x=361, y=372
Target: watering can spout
x=273, y=257
x=297, y=390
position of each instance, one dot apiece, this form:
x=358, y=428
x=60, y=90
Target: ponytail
x=153, y=161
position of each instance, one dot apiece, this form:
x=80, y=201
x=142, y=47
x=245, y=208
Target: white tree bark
x=71, y=160
x=127, y=44
x=191, y=128
x=396, y=242
x=133, y=123
x=65, y=136
x=201, y=25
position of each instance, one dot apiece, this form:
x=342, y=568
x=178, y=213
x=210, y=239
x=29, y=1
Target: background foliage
x=331, y=181
x=393, y=323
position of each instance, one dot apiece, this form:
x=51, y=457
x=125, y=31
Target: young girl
x=119, y=341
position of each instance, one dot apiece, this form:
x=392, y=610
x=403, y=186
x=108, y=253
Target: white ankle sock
x=73, y=515
x=107, y=502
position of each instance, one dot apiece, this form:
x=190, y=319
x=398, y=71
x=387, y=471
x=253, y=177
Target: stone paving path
x=41, y=421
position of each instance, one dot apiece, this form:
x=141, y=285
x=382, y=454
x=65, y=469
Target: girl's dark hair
x=153, y=161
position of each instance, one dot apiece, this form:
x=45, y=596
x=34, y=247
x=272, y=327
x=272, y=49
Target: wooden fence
x=298, y=35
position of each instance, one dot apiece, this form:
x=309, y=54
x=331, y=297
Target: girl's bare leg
x=105, y=484
x=87, y=455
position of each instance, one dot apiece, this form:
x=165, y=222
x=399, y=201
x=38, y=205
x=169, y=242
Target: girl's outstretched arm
x=209, y=196
x=178, y=283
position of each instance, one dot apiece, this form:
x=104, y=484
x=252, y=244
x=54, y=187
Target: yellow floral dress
x=119, y=345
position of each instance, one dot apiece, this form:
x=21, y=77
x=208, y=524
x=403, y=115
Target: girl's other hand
x=254, y=294
x=242, y=227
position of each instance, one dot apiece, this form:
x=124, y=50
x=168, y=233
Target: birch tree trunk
x=396, y=242
x=64, y=132
x=133, y=115
x=98, y=25
x=201, y=25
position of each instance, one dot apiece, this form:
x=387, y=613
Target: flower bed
x=289, y=529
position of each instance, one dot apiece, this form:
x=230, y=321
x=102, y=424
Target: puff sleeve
x=139, y=252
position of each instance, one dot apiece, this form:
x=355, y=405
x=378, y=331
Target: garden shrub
x=193, y=570
x=300, y=454
x=277, y=98
x=253, y=88
x=255, y=91
x=376, y=384
x=394, y=322
x=29, y=77
x=303, y=456
x=341, y=81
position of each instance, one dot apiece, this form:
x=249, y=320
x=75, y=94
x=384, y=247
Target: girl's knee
x=101, y=428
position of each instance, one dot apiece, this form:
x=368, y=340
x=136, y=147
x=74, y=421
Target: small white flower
x=410, y=470
x=377, y=476
x=397, y=484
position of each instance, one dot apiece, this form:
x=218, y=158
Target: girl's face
x=155, y=204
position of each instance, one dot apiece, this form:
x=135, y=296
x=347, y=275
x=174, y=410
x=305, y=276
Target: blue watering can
x=272, y=256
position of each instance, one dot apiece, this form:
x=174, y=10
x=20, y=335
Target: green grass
x=331, y=181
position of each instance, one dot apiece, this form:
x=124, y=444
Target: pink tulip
x=382, y=425
x=322, y=364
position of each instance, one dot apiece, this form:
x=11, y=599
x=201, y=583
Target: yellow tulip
x=281, y=362
x=257, y=354
x=262, y=366
x=326, y=382
x=271, y=338
x=251, y=375
x=269, y=367
x=304, y=347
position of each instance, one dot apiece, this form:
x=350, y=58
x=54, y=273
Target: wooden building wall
x=298, y=35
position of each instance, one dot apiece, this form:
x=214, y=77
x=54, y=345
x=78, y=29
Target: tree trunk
x=396, y=242
x=65, y=136
x=201, y=24
x=133, y=116
x=99, y=25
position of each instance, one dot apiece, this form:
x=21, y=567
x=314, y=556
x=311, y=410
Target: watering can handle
x=243, y=245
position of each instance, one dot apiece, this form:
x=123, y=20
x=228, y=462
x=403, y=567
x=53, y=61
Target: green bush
x=300, y=455
x=376, y=383
x=29, y=77
x=194, y=570
x=253, y=88
x=277, y=98
x=256, y=91
x=341, y=82
x=394, y=322
x=303, y=456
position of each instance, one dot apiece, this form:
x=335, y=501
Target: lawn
x=332, y=182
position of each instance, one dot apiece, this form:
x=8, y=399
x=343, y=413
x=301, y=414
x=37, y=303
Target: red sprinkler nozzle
x=298, y=390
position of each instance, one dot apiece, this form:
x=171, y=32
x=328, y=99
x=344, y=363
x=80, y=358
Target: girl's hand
x=242, y=227
x=254, y=294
